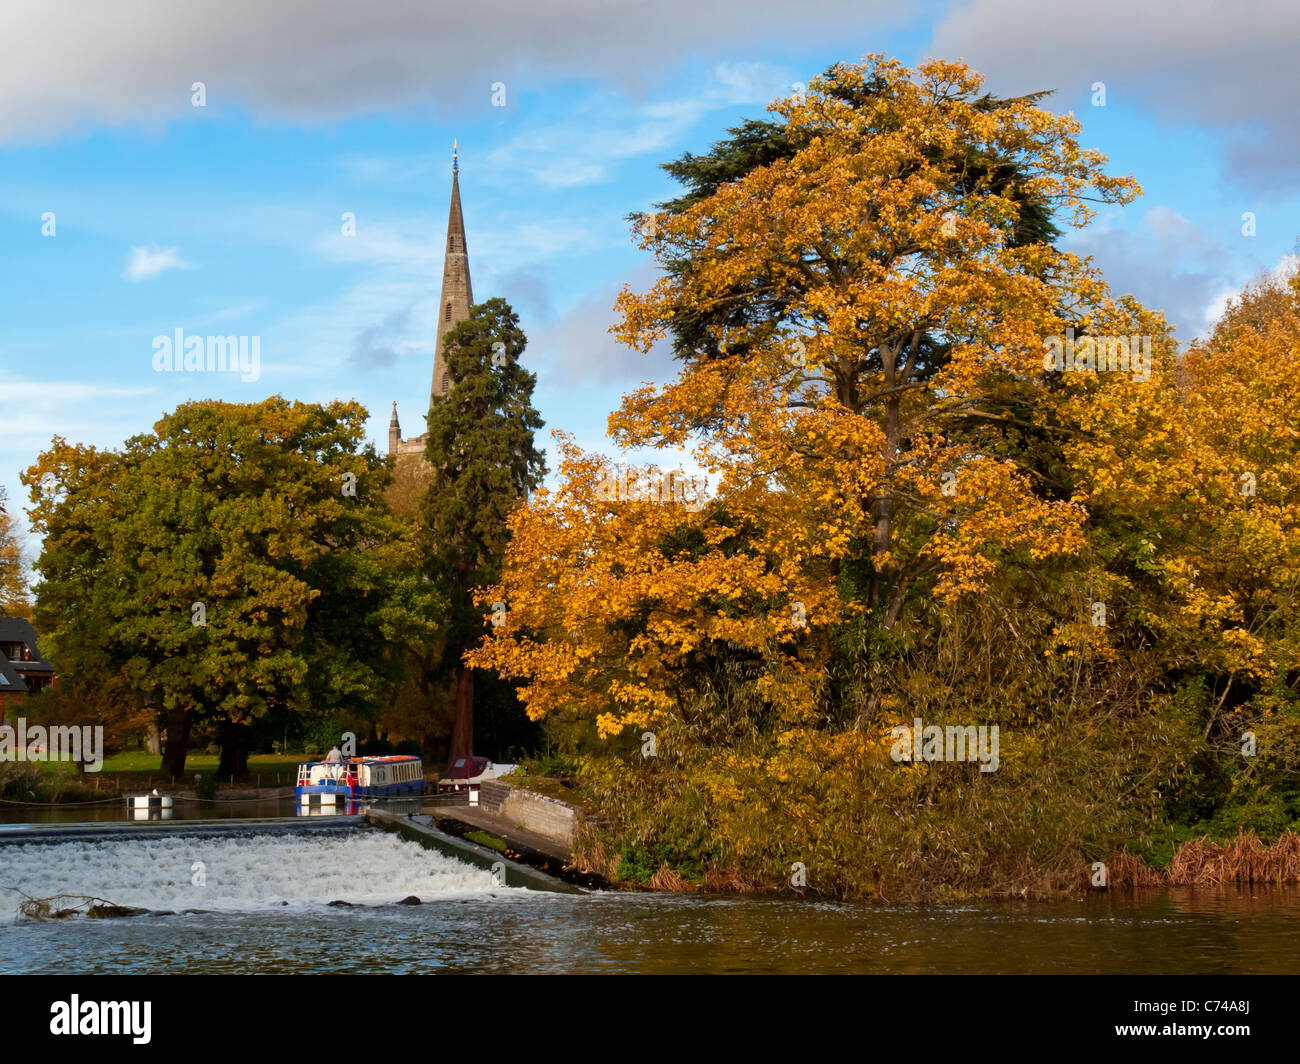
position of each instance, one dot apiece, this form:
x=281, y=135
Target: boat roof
x=365, y=758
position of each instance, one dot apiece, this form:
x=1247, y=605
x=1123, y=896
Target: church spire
x=457, y=294
x=394, y=431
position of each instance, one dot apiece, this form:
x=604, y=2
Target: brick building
x=23, y=672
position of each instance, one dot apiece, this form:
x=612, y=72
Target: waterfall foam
x=239, y=873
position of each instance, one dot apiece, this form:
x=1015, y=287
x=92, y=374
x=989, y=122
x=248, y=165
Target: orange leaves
x=853, y=315
x=994, y=516
x=1203, y=459
x=651, y=587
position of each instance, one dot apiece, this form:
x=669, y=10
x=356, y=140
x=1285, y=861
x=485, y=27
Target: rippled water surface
x=265, y=902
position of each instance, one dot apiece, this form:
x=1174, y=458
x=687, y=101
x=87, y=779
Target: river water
x=264, y=907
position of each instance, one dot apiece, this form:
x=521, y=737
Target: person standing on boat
x=334, y=757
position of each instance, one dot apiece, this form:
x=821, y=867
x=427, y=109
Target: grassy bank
x=62, y=781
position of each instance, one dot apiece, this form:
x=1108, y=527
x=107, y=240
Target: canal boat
x=329, y=782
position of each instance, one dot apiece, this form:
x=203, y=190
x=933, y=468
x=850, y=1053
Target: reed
x=666, y=879
x=1205, y=863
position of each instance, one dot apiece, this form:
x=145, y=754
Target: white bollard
x=150, y=801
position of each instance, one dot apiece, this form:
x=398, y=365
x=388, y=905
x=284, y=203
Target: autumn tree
x=13, y=581
x=235, y=560
x=757, y=143
x=834, y=441
x=864, y=381
x=1190, y=483
x=485, y=463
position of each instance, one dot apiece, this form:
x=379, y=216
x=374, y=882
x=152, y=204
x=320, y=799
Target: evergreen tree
x=485, y=463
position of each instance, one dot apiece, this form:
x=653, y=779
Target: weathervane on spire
x=455, y=157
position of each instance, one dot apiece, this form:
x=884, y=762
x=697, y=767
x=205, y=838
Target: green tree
x=485, y=463
x=235, y=561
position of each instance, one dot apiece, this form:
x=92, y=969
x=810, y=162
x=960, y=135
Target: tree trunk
x=178, y=742
x=236, y=739
x=462, y=732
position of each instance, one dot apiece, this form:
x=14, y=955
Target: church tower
x=453, y=307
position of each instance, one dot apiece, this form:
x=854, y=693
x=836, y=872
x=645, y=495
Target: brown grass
x=667, y=879
x=726, y=881
x=1126, y=870
x=592, y=856
x=1205, y=863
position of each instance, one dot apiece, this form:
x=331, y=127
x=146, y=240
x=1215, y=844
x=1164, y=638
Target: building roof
x=10, y=680
x=16, y=630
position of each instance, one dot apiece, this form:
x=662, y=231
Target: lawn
x=139, y=768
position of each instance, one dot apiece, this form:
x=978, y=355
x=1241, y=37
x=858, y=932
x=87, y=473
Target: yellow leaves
x=1203, y=458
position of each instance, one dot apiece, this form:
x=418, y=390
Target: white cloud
x=1227, y=66
x=1285, y=269
x=39, y=398
x=148, y=263
x=66, y=64
x=577, y=349
x=1168, y=262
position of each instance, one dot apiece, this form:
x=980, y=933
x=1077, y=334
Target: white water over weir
x=239, y=872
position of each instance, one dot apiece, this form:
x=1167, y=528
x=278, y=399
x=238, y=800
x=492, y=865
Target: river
x=264, y=907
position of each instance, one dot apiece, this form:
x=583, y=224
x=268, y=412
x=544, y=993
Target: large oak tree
x=235, y=560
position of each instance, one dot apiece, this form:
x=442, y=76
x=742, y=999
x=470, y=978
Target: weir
x=255, y=865
x=514, y=873
x=116, y=830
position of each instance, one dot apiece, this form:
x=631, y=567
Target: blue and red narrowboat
x=329, y=782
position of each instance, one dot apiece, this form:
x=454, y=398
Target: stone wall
x=531, y=811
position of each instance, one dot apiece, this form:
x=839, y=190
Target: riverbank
x=269, y=775
x=591, y=853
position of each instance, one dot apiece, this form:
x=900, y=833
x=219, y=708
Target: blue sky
x=226, y=219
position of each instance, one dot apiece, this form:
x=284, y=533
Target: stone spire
x=457, y=295
x=394, y=431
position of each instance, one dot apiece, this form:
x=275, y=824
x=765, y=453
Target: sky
x=173, y=164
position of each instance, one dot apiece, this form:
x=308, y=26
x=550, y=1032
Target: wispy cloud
x=577, y=348
x=608, y=128
x=148, y=263
x=377, y=344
